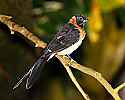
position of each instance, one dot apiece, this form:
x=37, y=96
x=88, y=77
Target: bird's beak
x=85, y=20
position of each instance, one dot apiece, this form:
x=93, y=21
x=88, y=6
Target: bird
x=66, y=40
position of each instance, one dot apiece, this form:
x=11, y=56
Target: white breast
x=71, y=48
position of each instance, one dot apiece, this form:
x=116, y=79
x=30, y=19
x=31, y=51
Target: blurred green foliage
x=103, y=48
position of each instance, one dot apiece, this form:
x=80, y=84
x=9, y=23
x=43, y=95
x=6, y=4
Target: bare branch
x=17, y=28
x=92, y=73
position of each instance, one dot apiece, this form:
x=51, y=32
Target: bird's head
x=79, y=21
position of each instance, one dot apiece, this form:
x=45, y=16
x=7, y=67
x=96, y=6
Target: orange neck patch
x=73, y=21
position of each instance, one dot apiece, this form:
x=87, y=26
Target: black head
x=81, y=20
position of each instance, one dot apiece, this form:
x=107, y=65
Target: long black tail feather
x=34, y=73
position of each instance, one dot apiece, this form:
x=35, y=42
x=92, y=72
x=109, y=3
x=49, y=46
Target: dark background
x=103, y=48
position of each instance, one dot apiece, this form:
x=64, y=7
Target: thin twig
x=117, y=89
x=75, y=82
x=63, y=59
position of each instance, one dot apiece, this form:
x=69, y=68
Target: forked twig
x=94, y=74
x=64, y=60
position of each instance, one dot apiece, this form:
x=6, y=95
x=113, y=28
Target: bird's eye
x=80, y=19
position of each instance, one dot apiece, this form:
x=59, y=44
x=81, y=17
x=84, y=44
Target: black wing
x=66, y=37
